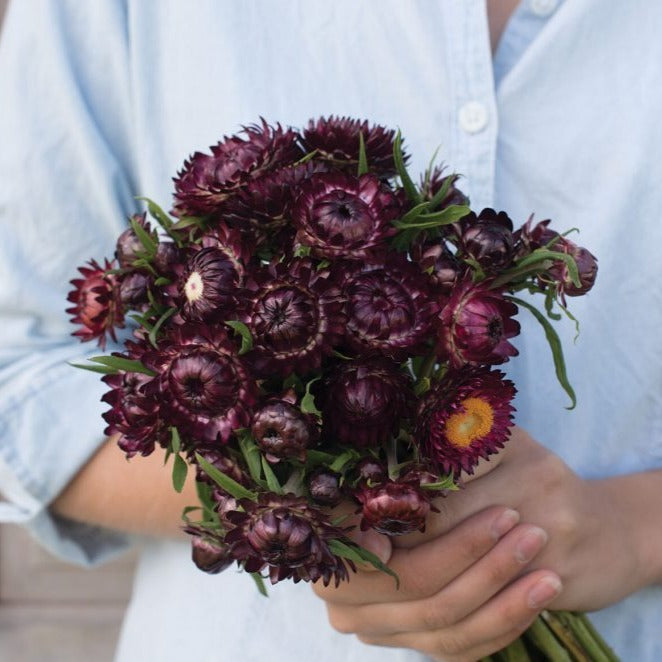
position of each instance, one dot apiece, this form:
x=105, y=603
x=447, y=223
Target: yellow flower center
x=474, y=422
x=193, y=287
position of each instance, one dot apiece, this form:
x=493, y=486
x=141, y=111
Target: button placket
x=475, y=120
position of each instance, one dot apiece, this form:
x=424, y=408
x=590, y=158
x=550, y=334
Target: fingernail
x=504, y=523
x=376, y=543
x=530, y=544
x=544, y=591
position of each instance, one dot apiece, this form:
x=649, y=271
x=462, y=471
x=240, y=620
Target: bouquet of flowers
x=312, y=327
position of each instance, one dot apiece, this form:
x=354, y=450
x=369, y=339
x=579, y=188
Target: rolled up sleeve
x=66, y=188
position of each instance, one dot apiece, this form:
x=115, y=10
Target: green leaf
x=159, y=323
x=308, y=401
x=363, y=157
x=251, y=454
x=555, y=345
x=179, y=472
x=323, y=265
x=439, y=196
x=149, y=243
x=187, y=222
x=307, y=157
x=272, y=481
x=410, y=190
x=293, y=381
x=437, y=219
x=157, y=213
x=232, y=487
x=204, y=492
x=446, y=483
x=175, y=440
x=415, y=212
x=358, y=554
x=118, y=363
x=245, y=333
x=422, y=386
x=167, y=455
x=428, y=170
x=302, y=251
x=162, y=280
x=542, y=255
x=343, y=459
x=315, y=457
x=103, y=370
x=259, y=582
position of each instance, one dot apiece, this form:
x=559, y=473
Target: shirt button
x=543, y=8
x=473, y=117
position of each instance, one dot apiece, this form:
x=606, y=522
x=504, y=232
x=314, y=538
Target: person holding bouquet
x=561, y=120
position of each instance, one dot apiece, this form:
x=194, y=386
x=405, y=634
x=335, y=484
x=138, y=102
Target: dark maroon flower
x=389, y=307
x=364, y=400
x=341, y=216
x=393, y=508
x=295, y=315
x=587, y=268
x=129, y=247
x=282, y=430
x=465, y=417
x=444, y=269
x=206, y=180
x=487, y=238
x=287, y=536
x=205, y=388
x=210, y=553
x=476, y=324
x=134, y=415
x=263, y=207
x=209, y=282
x=97, y=307
x=324, y=487
x=336, y=139
x=436, y=182
x=133, y=290
x=223, y=461
x=368, y=472
x=167, y=256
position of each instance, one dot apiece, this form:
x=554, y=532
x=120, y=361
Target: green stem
x=541, y=637
x=514, y=652
x=428, y=366
x=594, y=645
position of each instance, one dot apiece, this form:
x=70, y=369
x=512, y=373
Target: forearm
x=135, y=496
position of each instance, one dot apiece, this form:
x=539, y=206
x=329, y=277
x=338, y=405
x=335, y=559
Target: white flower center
x=193, y=287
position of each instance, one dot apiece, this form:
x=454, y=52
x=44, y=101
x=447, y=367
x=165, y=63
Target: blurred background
x=50, y=611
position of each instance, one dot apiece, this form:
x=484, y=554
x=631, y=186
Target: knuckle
x=436, y=615
x=339, y=621
x=565, y=523
x=552, y=472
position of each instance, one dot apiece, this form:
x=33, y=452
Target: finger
x=457, y=600
x=426, y=569
x=510, y=611
x=497, y=486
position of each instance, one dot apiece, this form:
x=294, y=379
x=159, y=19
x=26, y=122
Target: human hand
x=471, y=584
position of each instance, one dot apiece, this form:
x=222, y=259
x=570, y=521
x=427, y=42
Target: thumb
x=374, y=542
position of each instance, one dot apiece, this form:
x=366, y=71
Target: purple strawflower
x=338, y=215
x=282, y=430
x=287, y=537
x=205, y=388
x=393, y=508
x=476, y=325
x=207, y=180
x=364, y=400
x=389, y=307
x=336, y=140
x=295, y=314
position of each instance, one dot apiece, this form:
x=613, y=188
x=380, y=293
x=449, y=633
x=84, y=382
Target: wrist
x=633, y=509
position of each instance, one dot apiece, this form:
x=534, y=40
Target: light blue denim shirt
x=101, y=101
